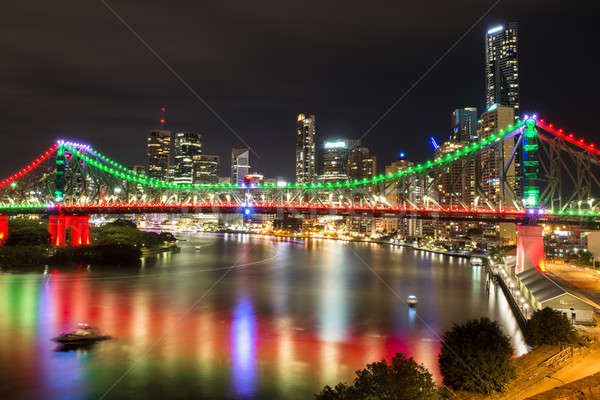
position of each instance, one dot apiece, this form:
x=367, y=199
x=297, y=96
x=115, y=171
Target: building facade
x=464, y=125
x=188, y=149
x=240, y=165
x=499, y=185
x=334, y=159
x=206, y=169
x=159, y=154
x=502, y=66
x=305, y=149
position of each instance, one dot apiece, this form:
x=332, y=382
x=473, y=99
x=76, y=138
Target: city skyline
x=115, y=126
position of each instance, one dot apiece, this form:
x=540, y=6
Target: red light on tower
x=163, y=109
x=162, y=121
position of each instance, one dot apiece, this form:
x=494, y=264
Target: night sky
x=71, y=69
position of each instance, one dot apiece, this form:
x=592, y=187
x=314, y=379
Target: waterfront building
x=206, y=169
x=188, y=149
x=495, y=191
x=502, y=66
x=305, y=149
x=240, y=165
x=159, y=153
x=409, y=191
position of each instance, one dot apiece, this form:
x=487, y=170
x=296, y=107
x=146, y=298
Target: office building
x=334, y=159
x=206, y=169
x=305, y=149
x=240, y=165
x=361, y=164
x=188, y=149
x=502, y=66
x=497, y=188
x=450, y=176
x=464, y=125
x=159, y=153
x=408, y=191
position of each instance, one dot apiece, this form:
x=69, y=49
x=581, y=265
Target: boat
x=411, y=300
x=198, y=247
x=84, y=334
x=476, y=261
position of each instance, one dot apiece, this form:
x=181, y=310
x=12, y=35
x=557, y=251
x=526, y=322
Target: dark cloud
x=71, y=69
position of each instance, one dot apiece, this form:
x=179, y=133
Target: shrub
x=548, y=326
x=476, y=356
x=23, y=256
x=27, y=232
x=402, y=379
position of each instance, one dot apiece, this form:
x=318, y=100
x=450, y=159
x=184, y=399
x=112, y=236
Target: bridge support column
x=530, y=248
x=3, y=229
x=56, y=228
x=80, y=231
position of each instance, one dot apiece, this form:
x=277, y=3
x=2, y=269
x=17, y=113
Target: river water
x=235, y=316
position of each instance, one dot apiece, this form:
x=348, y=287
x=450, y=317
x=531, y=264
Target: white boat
x=411, y=300
x=476, y=260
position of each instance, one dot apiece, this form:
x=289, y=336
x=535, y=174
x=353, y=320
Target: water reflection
x=309, y=314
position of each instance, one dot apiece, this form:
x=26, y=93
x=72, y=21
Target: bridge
x=527, y=174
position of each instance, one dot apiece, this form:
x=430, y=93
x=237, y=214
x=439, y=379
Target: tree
x=548, y=326
x=27, y=232
x=402, y=379
x=476, y=356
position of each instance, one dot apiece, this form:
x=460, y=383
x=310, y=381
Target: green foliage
x=124, y=232
x=498, y=252
x=402, y=379
x=476, y=356
x=22, y=256
x=548, y=326
x=27, y=232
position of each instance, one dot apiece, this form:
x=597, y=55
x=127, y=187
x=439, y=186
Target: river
x=235, y=316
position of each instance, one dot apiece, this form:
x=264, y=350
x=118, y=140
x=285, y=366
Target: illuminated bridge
x=529, y=173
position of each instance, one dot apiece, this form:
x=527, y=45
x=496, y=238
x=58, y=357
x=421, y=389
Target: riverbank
x=354, y=240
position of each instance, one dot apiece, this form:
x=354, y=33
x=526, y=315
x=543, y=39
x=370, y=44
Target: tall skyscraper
x=464, y=125
x=305, y=149
x=159, y=153
x=240, y=165
x=492, y=162
x=502, y=66
x=334, y=159
x=206, y=170
x=188, y=148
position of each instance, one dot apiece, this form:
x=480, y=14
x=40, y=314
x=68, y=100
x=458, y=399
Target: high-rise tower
x=305, y=149
x=188, y=149
x=502, y=66
x=159, y=150
x=464, y=125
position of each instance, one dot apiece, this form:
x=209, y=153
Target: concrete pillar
x=73, y=223
x=530, y=248
x=56, y=228
x=84, y=230
x=3, y=229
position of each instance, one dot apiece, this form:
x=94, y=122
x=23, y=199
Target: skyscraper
x=305, y=149
x=334, y=159
x=159, y=152
x=188, y=149
x=206, y=170
x=498, y=181
x=464, y=125
x=240, y=165
x=502, y=66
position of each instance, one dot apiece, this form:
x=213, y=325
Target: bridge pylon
x=530, y=248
